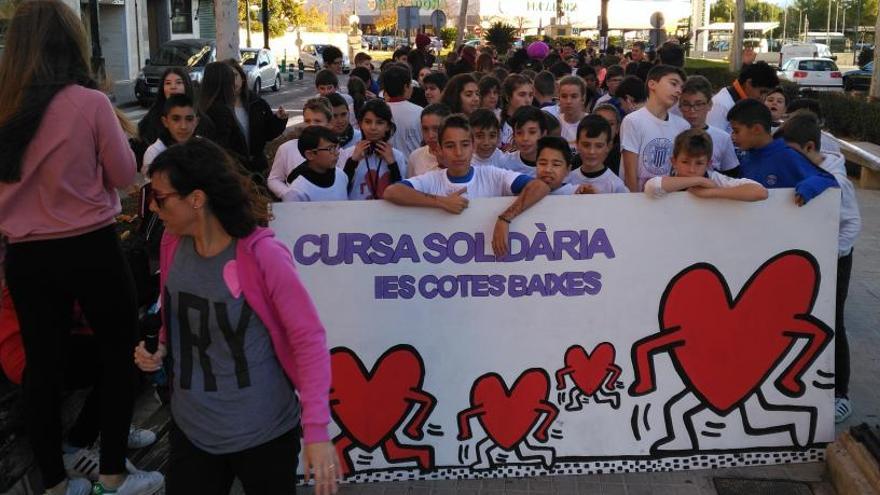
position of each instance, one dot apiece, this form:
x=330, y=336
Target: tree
x=284, y=14
x=447, y=35
x=501, y=36
x=386, y=24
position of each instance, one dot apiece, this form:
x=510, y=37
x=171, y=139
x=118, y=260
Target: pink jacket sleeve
x=305, y=337
x=115, y=156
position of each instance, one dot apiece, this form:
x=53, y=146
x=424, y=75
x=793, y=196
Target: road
x=291, y=96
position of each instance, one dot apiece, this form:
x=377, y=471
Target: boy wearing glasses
x=695, y=104
x=317, y=179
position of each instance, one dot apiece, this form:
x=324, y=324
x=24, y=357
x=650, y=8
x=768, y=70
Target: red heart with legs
x=726, y=348
x=370, y=406
x=510, y=414
x=589, y=370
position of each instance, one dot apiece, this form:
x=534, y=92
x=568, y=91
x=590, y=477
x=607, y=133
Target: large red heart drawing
x=726, y=348
x=589, y=370
x=370, y=406
x=510, y=414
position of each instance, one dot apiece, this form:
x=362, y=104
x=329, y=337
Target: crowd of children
x=542, y=121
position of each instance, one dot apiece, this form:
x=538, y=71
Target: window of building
x=181, y=16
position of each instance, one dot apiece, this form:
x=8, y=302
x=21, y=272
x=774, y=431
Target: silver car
x=261, y=70
x=310, y=55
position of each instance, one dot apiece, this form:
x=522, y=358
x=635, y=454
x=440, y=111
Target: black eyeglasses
x=330, y=149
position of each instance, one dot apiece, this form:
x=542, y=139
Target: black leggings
x=267, y=469
x=45, y=278
x=841, y=344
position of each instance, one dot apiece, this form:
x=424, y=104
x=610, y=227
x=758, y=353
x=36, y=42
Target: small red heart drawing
x=380, y=182
x=725, y=348
x=371, y=405
x=590, y=370
x=510, y=414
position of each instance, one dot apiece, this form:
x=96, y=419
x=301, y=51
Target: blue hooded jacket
x=777, y=166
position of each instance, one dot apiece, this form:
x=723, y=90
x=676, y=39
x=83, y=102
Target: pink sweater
x=70, y=171
x=268, y=280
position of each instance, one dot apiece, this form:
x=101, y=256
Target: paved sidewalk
x=863, y=322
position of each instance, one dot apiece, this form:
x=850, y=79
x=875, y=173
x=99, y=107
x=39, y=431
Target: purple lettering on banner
x=456, y=239
x=423, y=290
x=447, y=286
x=565, y=240
x=406, y=248
x=593, y=281
x=517, y=285
x=496, y=285
x=536, y=284
x=436, y=248
x=540, y=245
x=299, y=249
x=380, y=244
x=407, y=286
x=513, y=255
x=600, y=244
x=357, y=244
x=480, y=287
x=574, y=281
x=480, y=249
x=325, y=250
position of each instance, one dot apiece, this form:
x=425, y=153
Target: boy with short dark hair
x=771, y=162
x=777, y=102
x=396, y=81
x=754, y=81
x=695, y=103
x=433, y=85
x=316, y=111
x=553, y=164
x=341, y=122
x=424, y=159
x=487, y=131
x=327, y=82
x=594, y=142
x=647, y=134
x=690, y=162
x=332, y=57
x=364, y=60
x=631, y=95
x=180, y=121
x=545, y=89
x=318, y=178
x=803, y=133
x=529, y=125
x=829, y=142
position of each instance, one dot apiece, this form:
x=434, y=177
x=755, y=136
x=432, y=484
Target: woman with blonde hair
x=63, y=155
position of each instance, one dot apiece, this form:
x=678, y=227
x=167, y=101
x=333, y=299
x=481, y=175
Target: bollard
x=302, y=69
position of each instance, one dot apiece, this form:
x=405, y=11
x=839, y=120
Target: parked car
x=310, y=55
x=798, y=49
x=261, y=70
x=859, y=79
x=191, y=54
x=820, y=74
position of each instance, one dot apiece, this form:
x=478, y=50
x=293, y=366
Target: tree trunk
x=462, y=23
x=736, y=43
x=874, y=93
x=226, y=16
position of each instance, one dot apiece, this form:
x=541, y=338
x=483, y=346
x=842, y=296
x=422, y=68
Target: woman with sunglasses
x=254, y=371
x=63, y=155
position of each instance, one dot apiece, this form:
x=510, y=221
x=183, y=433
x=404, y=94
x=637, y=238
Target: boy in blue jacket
x=772, y=163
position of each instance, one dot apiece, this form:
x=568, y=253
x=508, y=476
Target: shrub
x=447, y=35
x=849, y=116
x=501, y=36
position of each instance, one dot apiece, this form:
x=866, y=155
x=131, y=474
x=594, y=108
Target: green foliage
x=283, y=14
x=850, y=116
x=448, y=35
x=501, y=36
x=755, y=11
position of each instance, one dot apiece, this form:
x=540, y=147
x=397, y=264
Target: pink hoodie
x=270, y=285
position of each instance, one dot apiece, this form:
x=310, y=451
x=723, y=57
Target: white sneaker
x=842, y=409
x=78, y=486
x=139, y=483
x=85, y=463
x=139, y=438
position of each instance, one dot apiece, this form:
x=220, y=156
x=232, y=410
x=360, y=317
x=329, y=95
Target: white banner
x=622, y=334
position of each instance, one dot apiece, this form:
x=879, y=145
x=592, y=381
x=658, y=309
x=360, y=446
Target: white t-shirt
x=302, y=189
x=722, y=102
x=603, y=99
x=408, y=119
x=512, y=161
x=564, y=190
x=723, y=155
x=493, y=160
x=552, y=110
x=652, y=140
x=604, y=183
x=481, y=182
x=151, y=153
x=355, y=139
x=569, y=131
x=421, y=161
x=287, y=158
x=366, y=178
x=506, y=135
x=654, y=186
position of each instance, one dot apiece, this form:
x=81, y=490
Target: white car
x=261, y=69
x=819, y=74
x=310, y=55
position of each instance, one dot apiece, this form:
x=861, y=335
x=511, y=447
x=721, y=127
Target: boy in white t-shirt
x=318, y=178
x=695, y=104
x=486, y=131
x=424, y=159
x=646, y=135
x=396, y=81
x=690, y=161
x=553, y=164
x=180, y=121
x=529, y=125
x=594, y=142
x=316, y=111
x=572, y=94
x=449, y=189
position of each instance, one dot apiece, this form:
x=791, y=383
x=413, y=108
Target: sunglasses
x=160, y=198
